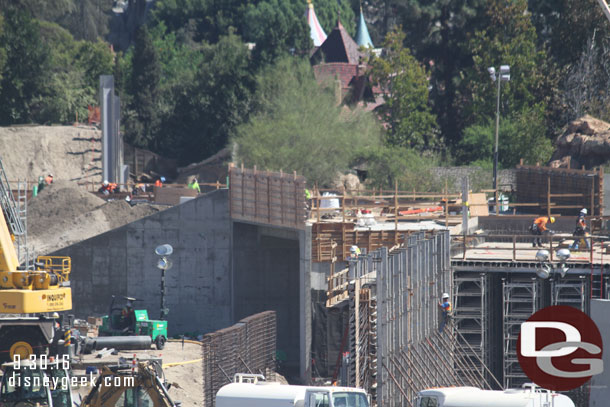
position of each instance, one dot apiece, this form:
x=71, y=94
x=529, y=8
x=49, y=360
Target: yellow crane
x=29, y=298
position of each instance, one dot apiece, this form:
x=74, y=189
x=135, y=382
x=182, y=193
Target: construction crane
x=30, y=297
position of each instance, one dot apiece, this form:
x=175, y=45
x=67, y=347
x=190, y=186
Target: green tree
x=297, y=126
x=142, y=121
x=87, y=19
x=403, y=81
x=328, y=11
x=436, y=31
x=510, y=38
x=25, y=71
x=209, y=108
x=67, y=92
x=522, y=135
x=277, y=27
x=388, y=165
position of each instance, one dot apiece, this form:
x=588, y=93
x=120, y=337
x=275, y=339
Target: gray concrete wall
x=600, y=384
x=123, y=262
x=271, y=272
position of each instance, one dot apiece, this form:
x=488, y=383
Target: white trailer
x=258, y=393
x=529, y=396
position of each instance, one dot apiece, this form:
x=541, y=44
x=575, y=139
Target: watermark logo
x=560, y=348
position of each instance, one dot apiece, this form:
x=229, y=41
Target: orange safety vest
x=541, y=223
x=158, y=183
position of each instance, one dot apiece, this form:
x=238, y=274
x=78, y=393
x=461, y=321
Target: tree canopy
x=190, y=73
x=404, y=84
x=297, y=125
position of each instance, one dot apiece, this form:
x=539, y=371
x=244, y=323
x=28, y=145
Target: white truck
x=253, y=391
x=529, y=396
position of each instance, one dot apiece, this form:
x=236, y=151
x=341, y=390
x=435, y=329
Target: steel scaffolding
x=520, y=300
x=399, y=342
x=570, y=291
x=470, y=316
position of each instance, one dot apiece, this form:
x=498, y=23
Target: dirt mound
x=585, y=141
x=63, y=214
x=68, y=152
x=59, y=201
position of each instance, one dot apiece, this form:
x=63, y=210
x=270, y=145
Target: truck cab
x=329, y=398
x=254, y=391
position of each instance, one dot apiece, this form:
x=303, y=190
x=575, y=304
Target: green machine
x=125, y=320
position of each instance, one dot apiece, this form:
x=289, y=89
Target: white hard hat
x=353, y=249
x=583, y=211
x=105, y=182
x=445, y=295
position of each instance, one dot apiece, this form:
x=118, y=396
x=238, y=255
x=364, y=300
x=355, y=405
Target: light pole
x=504, y=77
x=163, y=264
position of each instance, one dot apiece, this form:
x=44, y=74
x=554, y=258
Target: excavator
x=127, y=386
x=30, y=297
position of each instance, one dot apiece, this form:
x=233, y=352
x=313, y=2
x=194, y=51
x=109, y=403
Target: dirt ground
x=186, y=380
x=64, y=213
x=68, y=152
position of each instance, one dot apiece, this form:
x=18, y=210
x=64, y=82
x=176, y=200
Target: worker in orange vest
x=49, y=179
x=159, y=182
x=108, y=188
x=539, y=227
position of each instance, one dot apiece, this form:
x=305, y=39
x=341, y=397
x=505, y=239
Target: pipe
x=117, y=342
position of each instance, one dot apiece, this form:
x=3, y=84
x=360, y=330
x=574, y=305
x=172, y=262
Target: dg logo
x=560, y=348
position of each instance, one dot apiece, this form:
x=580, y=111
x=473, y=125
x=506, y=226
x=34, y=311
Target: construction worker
x=354, y=252
x=159, y=182
x=194, y=185
x=41, y=183
x=539, y=227
x=446, y=309
x=48, y=179
x=108, y=187
x=580, y=232
x=128, y=317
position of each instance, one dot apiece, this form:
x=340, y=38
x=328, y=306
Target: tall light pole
x=504, y=77
x=163, y=264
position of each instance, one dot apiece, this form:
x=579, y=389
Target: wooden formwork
x=344, y=233
x=561, y=190
x=267, y=197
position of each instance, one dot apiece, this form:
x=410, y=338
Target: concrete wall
x=222, y=271
x=271, y=272
x=123, y=262
x=600, y=384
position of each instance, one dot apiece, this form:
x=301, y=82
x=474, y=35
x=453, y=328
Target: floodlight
x=164, y=263
x=164, y=250
x=505, y=77
x=564, y=270
x=492, y=73
x=542, y=255
x=544, y=271
x=504, y=69
x=563, y=254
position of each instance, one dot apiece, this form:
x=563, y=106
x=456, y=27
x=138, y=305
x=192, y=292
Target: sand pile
x=63, y=214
